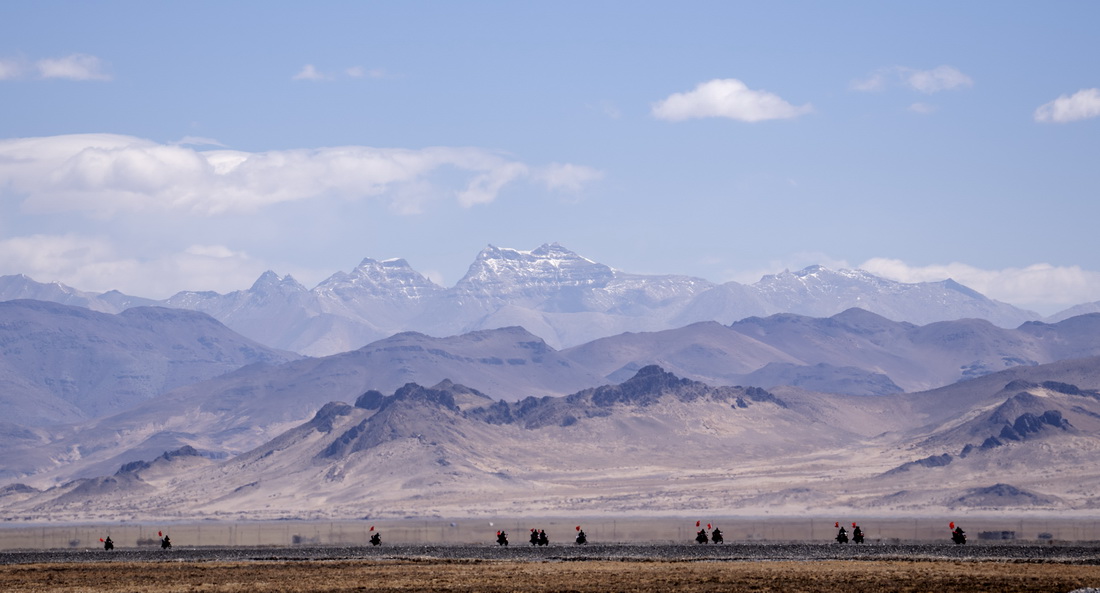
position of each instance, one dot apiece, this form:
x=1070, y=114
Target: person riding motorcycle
x=958, y=536
x=502, y=538
x=716, y=536
x=857, y=534
x=701, y=536
x=842, y=536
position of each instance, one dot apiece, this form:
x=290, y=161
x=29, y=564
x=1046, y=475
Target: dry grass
x=542, y=577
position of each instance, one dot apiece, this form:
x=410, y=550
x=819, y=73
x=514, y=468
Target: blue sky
x=153, y=147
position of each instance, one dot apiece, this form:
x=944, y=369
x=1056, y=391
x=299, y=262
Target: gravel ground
x=1015, y=553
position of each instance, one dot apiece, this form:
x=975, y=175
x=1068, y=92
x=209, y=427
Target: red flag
x=371, y=528
x=837, y=524
x=853, y=523
x=708, y=525
x=578, y=527
x=532, y=530
x=160, y=533
x=101, y=539
x=498, y=533
x=951, y=525
x=697, y=523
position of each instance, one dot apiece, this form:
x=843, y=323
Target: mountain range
x=245, y=399
x=656, y=443
x=554, y=293
x=541, y=382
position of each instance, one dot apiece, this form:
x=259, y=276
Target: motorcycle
x=958, y=536
x=842, y=536
x=701, y=537
x=376, y=539
x=857, y=534
x=502, y=538
x=716, y=536
x=581, y=538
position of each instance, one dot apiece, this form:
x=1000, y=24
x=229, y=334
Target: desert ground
x=562, y=567
x=414, y=575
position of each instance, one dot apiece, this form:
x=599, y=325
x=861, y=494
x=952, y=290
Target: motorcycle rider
x=842, y=535
x=857, y=534
x=957, y=534
x=701, y=536
x=716, y=536
x=502, y=538
x=108, y=544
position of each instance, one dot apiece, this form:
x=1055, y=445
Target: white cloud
x=72, y=67
x=11, y=68
x=309, y=72
x=1042, y=287
x=567, y=176
x=93, y=263
x=1081, y=105
x=728, y=98
x=922, y=108
x=483, y=188
x=106, y=174
x=940, y=78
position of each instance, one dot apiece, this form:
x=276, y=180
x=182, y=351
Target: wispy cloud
x=729, y=98
x=1039, y=286
x=94, y=263
x=106, y=173
x=922, y=108
x=1083, y=104
x=940, y=78
x=71, y=67
x=309, y=72
x=11, y=68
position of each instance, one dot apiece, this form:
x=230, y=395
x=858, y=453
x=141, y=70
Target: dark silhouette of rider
x=958, y=536
x=108, y=544
x=701, y=536
x=543, y=539
x=842, y=536
x=502, y=538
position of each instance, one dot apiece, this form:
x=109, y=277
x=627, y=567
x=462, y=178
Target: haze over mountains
x=554, y=293
x=654, y=444
x=160, y=411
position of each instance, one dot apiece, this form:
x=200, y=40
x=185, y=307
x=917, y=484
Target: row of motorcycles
x=539, y=537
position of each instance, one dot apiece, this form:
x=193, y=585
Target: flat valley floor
x=529, y=576
x=643, y=568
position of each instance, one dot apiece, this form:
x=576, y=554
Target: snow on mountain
x=563, y=297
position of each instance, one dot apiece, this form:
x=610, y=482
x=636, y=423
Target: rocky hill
x=655, y=443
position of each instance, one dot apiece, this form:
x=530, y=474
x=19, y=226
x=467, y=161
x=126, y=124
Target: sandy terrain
x=491, y=576
x=640, y=568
